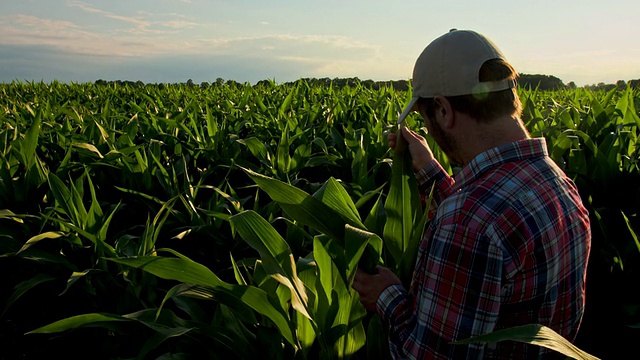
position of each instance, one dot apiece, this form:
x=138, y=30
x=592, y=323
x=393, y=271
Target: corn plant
x=342, y=243
x=157, y=220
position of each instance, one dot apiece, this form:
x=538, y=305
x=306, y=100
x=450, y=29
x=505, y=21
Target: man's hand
x=370, y=286
x=418, y=147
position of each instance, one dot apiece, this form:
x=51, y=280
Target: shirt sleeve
x=434, y=175
x=455, y=295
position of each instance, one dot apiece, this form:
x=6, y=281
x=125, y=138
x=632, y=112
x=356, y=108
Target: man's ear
x=444, y=112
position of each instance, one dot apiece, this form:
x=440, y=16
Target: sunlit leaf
x=402, y=206
x=77, y=321
x=40, y=237
x=535, y=334
x=301, y=206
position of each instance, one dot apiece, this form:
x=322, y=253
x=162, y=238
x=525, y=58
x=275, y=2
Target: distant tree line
x=620, y=84
x=530, y=81
x=542, y=82
x=549, y=82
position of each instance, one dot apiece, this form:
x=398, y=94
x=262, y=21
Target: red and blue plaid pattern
x=508, y=245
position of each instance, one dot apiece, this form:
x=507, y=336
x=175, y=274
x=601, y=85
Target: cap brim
x=410, y=107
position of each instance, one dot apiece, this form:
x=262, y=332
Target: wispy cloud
x=137, y=22
x=135, y=36
x=20, y=29
x=139, y=25
x=180, y=24
x=23, y=29
x=312, y=55
x=145, y=42
x=288, y=43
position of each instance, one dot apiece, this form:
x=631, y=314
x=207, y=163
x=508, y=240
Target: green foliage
x=535, y=334
x=228, y=220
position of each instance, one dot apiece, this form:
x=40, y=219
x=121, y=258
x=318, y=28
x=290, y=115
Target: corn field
x=227, y=221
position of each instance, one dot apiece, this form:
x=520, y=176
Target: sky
x=168, y=41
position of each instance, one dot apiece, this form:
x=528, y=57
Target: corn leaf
x=377, y=339
x=76, y=322
x=632, y=233
x=301, y=206
x=336, y=197
x=30, y=142
x=305, y=330
x=163, y=333
x=94, y=215
x=199, y=292
x=8, y=214
x=406, y=266
x=65, y=200
x=257, y=148
x=77, y=194
x=39, y=237
x=275, y=254
x=402, y=205
x=535, y=334
x=75, y=276
x=347, y=328
x=327, y=275
x=299, y=298
x=236, y=271
x=282, y=153
x=242, y=340
x=363, y=249
x=377, y=218
x=187, y=271
x=355, y=337
x=25, y=286
x=88, y=147
x=259, y=234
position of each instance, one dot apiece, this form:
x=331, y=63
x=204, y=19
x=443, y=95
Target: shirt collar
x=519, y=150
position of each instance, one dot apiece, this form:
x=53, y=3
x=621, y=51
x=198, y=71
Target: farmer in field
x=509, y=240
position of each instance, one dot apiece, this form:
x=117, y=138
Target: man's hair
x=485, y=106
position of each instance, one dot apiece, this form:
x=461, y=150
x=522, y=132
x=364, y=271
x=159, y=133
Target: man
x=510, y=239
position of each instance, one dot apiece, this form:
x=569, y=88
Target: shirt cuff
x=388, y=300
x=431, y=171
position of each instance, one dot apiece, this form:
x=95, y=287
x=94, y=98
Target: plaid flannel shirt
x=508, y=246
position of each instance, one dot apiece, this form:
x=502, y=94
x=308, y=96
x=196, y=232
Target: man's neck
x=479, y=137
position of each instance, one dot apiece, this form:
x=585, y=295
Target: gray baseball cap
x=450, y=66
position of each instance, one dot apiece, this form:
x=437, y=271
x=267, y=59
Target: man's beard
x=446, y=143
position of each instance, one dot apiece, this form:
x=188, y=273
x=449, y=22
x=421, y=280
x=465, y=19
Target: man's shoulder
x=497, y=190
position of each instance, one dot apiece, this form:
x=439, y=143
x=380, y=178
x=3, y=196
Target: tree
x=543, y=82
